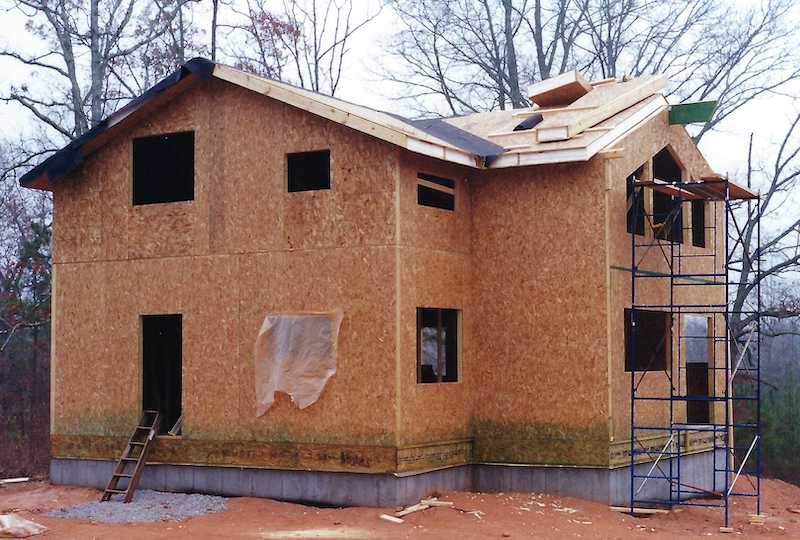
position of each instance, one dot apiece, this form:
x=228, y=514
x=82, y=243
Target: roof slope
x=595, y=121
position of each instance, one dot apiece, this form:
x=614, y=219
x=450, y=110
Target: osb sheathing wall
x=435, y=271
x=639, y=148
x=241, y=248
x=539, y=315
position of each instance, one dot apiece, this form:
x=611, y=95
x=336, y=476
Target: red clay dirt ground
x=502, y=515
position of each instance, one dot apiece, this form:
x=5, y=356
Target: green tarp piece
x=689, y=113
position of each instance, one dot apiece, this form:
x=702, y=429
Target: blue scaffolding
x=664, y=414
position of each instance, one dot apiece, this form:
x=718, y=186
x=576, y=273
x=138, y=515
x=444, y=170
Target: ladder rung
x=136, y=443
x=122, y=475
x=144, y=427
x=115, y=491
x=129, y=459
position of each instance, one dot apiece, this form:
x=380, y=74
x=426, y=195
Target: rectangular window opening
x=163, y=168
x=161, y=367
x=436, y=192
x=308, y=171
x=648, y=338
x=437, y=345
x=699, y=223
x=635, y=198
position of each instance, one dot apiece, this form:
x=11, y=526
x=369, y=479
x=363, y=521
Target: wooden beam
x=608, y=100
x=561, y=90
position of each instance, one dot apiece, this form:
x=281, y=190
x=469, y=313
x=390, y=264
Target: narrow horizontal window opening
x=308, y=171
x=436, y=192
x=163, y=168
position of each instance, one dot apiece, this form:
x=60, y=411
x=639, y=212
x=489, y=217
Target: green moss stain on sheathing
x=540, y=444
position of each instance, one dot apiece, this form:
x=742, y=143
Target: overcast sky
x=725, y=148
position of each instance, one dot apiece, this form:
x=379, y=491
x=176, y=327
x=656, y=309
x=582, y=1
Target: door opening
x=161, y=367
x=698, y=344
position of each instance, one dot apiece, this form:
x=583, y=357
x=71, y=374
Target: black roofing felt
x=69, y=158
x=455, y=136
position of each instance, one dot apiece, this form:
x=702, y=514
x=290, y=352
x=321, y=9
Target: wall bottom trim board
x=384, y=489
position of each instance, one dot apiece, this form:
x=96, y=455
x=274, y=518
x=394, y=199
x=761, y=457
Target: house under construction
x=324, y=302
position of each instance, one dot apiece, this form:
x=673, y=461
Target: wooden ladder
x=135, y=453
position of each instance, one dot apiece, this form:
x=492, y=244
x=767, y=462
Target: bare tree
x=256, y=39
x=780, y=244
x=318, y=48
x=463, y=51
x=71, y=31
x=709, y=49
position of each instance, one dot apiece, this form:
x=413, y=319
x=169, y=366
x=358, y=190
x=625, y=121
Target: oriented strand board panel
x=538, y=306
x=639, y=149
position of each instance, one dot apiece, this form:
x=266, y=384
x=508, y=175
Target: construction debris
x=637, y=510
x=424, y=504
x=15, y=480
x=411, y=509
x=13, y=526
x=435, y=502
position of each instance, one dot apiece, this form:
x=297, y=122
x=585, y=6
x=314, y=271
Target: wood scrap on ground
x=636, y=510
x=14, y=480
x=424, y=504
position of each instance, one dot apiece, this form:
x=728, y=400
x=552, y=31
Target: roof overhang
x=64, y=161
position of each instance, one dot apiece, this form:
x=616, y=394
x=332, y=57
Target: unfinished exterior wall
x=539, y=311
x=435, y=261
x=241, y=248
x=639, y=148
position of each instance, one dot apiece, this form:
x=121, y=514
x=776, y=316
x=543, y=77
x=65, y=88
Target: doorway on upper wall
x=698, y=346
x=161, y=368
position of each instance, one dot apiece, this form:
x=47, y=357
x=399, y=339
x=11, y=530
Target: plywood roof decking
x=499, y=127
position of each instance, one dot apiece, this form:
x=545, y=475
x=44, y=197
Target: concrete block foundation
x=611, y=486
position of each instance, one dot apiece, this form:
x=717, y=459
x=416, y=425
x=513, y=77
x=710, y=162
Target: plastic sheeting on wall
x=295, y=353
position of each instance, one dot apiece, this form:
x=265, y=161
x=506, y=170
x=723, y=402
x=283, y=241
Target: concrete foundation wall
x=610, y=486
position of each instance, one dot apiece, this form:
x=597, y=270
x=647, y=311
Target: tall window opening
x=636, y=216
x=648, y=338
x=699, y=223
x=667, y=211
x=437, y=345
x=697, y=338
